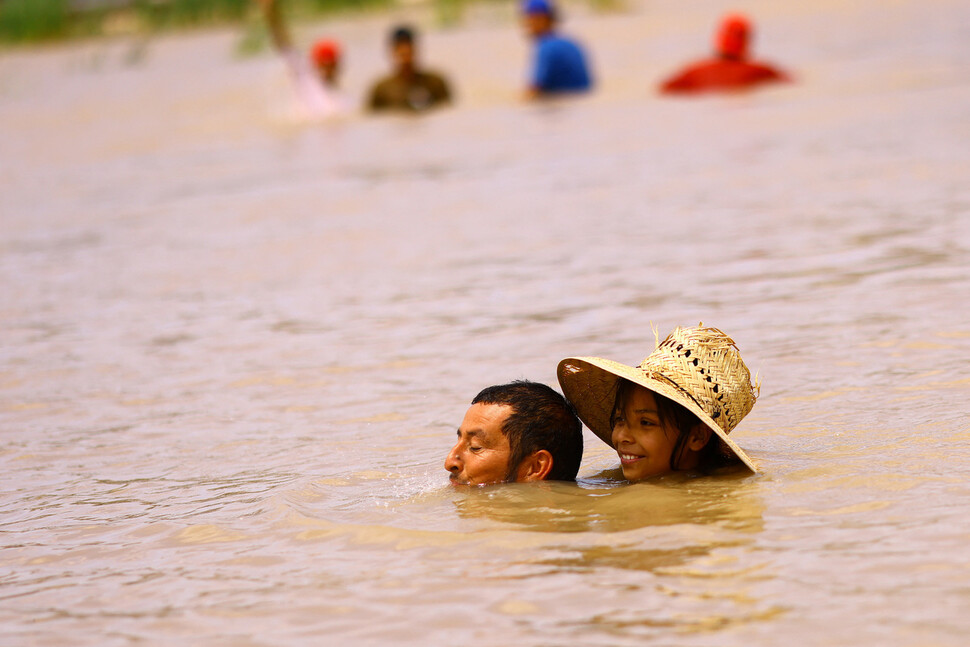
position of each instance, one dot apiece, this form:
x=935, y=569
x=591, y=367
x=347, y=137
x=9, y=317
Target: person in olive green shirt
x=408, y=88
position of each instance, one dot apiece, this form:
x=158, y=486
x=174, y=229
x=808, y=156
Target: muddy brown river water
x=235, y=345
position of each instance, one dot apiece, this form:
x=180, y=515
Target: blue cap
x=531, y=7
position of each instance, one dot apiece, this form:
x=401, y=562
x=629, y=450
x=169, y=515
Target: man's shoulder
x=719, y=74
x=384, y=84
x=767, y=71
x=430, y=77
x=556, y=43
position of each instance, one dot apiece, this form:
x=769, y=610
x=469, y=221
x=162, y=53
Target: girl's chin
x=633, y=475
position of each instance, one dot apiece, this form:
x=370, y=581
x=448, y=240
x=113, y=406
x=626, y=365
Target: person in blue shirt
x=559, y=64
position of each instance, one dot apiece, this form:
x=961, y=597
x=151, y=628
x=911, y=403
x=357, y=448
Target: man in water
x=559, y=64
x=316, y=86
x=730, y=68
x=517, y=432
x=408, y=88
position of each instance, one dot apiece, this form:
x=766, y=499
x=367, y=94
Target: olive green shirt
x=420, y=91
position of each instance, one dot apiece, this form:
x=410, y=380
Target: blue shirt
x=560, y=66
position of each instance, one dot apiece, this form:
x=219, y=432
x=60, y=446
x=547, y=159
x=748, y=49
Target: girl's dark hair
x=674, y=416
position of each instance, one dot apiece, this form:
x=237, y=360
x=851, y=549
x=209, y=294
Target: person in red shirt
x=729, y=69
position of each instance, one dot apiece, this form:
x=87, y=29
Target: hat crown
x=705, y=365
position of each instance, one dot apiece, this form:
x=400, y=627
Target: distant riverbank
x=35, y=21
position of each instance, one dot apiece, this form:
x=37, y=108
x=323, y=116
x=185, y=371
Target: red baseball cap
x=325, y=52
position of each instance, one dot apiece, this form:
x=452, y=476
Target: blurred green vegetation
x=32, y=21
x=28, y=21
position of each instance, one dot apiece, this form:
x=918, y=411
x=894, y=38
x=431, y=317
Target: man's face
x=403, y=55
x=537, y=24
x=481, y=455
x=329, y=71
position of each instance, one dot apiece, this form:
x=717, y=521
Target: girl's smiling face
x=642, y=439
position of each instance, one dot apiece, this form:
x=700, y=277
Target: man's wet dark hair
x=402, y=34
x=540, y=419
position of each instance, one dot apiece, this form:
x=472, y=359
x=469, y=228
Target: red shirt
x=720, y=74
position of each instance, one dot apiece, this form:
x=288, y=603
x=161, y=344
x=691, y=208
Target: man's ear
x=698, y=437
x=534, y=467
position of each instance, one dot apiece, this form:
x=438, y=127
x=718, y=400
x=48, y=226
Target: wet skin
x=537, y=24
x=481, y=455
x=644, y=443
x=329, y=73
x=403, y=56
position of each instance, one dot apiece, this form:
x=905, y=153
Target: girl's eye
x=646, y=423
x=475, y=449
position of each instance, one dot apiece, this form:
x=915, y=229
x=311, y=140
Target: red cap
x=325, y=52
x=733, y=36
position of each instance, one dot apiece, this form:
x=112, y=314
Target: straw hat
x=698, y=368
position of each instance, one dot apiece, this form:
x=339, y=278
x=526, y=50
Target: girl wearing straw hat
x=674, y=411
